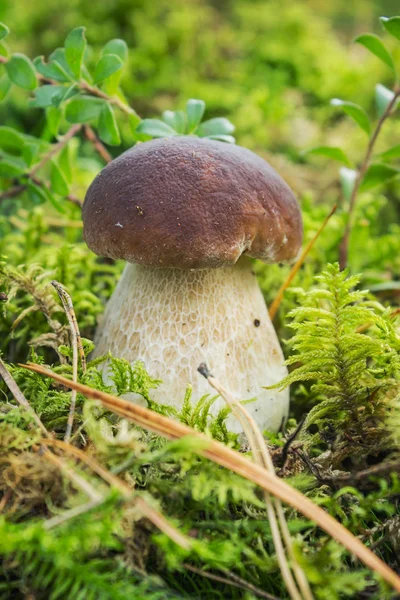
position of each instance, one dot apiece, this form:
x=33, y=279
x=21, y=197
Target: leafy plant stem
x=344, y=245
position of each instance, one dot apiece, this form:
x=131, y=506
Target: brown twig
x=233, y=580
x=55, y=149
x=76, y=340
x=273, y=309
x=99, y=147
x=19, y=396
x=344, y=245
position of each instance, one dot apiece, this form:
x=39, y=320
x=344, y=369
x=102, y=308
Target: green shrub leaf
x=108, y=128
x=58, y=181
x=217, y=126
x=390, y=154
x=378, y=174
x=375, y=45
x=354, y=111
x=155, y=128
x=83, y=109
x=229, y=139
x=331, y=152
x=383, y=97
x=75, y=46
x=45, y=94
x=21, y=71
x=10, y=139
x=5, y=86
x=347, y=179
x=107, y=66
x=195, y=111
x=4, y=31
x=175, y=119
x=11, y=167
x=52, y=70
x=118, y=47
x=392, y=25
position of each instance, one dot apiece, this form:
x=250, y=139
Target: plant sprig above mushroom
x=186, y=213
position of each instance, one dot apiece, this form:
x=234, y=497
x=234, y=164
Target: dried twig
x=262, y=457
x=236, y=462
x=76, y=340
x=344, y=245
x=99, y=147
x=273, y=309
x=19, y=396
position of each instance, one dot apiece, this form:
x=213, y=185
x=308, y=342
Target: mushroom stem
x=174, y=319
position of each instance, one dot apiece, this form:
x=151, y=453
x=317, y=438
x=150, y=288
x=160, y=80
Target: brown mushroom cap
x=186, y=202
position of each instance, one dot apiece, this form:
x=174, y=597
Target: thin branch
x=344, y=245
x=86, y=87
x=76, y=340
x=99, y=147
x=233, y=580
x=55, y=149
x=273, y=309
x=234, y=461
x=19, y=396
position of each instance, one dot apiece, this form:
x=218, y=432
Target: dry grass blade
x=262, y=457
x=234, y=461
x=273, y=309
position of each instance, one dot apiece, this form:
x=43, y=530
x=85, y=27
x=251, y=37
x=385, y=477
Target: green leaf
x=108, y=128
x=354, y=111
x=58, y=181
x=53, y=116
x=11, y=167
x=378, y=174
x=155, y=128
x=392, y=25
x=217, y=126
x=21, y=71
x=29, y=152
x=45, y=94
x=53, y=70
x=10, y=139
x=331, y=152
x=117, y=47
x=390, y=154
x=75, y=46
x=5, y=86
x=107, y=66
x=36, y=193
x=229, y=139
x=64, y=162
x=58, y=56
x=65, y=94
x=383, y=97
x=375, y=45
x=83, y=109
x=4, y=30
x=347, y=179
x=195, y=111
x=175, y=119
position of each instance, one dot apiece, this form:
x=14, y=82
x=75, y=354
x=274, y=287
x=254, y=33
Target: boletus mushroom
x=187, y=214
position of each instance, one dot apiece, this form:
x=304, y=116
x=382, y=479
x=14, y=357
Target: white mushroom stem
x=173, y=320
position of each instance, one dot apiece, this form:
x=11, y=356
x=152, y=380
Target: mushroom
x=186, y=214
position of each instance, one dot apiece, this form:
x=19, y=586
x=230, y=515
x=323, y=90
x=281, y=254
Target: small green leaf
x=354, y=111
x=10, y=139
x=29, y=152
x=4, y=30
x=5, y=86
x=75, y=46
x=217, y=126
x=58, y=181
x=21, y=71
x=83, y=109
x=331, y=152
x=155, y=128
x=175, y=119
x=65, y=94
x=36, y=193
x=392, y=25
x=58, y=56
x=53, y=117
x=117, y=47
x=107, y=66
x=383, y=98
x=108, y=128
x=391, y=154
x=375, y=45
x=195, y=111
x=64, y=162
x=53, y=70
x=378, y=174
x=228, y=139
x=45, y=94
x=11, y=167
x=347, y=179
